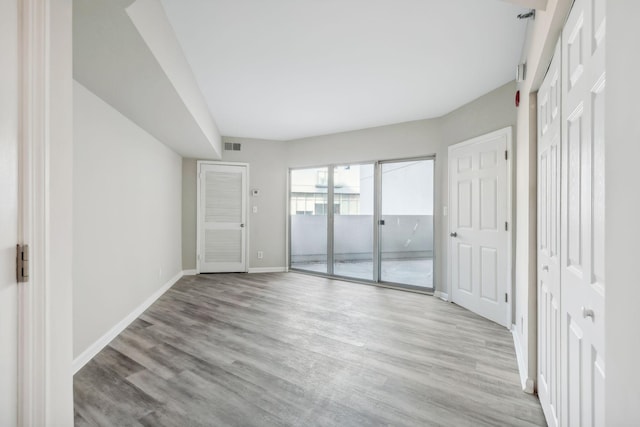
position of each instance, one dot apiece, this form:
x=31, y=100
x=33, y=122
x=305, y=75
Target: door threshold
x=387, y=285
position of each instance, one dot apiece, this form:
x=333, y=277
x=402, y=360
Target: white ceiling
x=287, y=69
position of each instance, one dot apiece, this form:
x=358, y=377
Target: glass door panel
x=308, y=209
x=353, y=196
x=406, y=223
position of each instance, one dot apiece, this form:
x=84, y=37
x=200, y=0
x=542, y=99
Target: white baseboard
x=528, y=384
x=189, y=272
x=102, y=342
x=267, y=270
x=443, y=296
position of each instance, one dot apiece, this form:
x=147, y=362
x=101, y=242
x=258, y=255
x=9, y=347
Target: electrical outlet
x=260, y=254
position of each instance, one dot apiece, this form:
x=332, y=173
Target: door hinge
x=22, y=263
x=506, y=155
x=506, y=226
x=506, y=297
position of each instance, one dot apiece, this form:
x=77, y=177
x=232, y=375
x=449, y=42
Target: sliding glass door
x=406, y=223
x=353, y=198
x=369, y=222
x=308, y=219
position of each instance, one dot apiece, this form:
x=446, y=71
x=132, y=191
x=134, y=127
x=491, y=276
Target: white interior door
x=479, y=242
x=582, y=242
x=549, y=160
x=8, y=212
x=222, y=214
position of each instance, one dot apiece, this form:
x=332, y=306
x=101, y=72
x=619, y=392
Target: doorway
x=370, y=222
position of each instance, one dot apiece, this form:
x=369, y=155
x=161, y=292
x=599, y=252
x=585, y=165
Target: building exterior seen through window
x=405, y=250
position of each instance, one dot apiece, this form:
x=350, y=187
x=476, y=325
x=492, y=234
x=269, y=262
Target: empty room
x=319, y=213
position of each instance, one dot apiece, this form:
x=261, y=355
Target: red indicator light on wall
x=517, y=98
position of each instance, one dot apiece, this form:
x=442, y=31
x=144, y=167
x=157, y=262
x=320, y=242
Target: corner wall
x=127, y=217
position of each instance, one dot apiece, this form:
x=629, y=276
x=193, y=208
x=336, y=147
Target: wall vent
x=232, y=146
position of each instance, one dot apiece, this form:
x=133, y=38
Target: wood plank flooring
x=287, y=349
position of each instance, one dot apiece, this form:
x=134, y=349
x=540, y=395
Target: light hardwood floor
x=296, y=350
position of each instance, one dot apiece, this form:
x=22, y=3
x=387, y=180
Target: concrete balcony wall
x=403, y=237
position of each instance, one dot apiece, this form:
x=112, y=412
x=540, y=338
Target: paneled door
x=549, y=148
x=582, y=242
x=479, y=215
x=222, y=216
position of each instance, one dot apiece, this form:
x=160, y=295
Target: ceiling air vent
x=232, y=146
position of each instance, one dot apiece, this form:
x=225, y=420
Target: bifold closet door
x=549, y=160
x=583, y=211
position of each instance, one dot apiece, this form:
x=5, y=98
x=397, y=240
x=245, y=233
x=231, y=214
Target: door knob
x=587, y=312
x=454, y=234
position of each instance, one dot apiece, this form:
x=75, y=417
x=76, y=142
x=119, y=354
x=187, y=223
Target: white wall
x=127, y=217
x=622, y=228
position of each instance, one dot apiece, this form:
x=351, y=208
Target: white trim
x=102, y=342
x=34, y=89
x=267, y=270
x=510, y=224
x=442, y=295
x=508, y=132
x=528, y=384
x=193, y=272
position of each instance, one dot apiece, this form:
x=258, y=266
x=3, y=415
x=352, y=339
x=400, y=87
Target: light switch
x=255, y=209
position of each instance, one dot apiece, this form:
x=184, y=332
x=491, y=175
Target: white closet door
x=549, y=146
x=222, y=211
x=582, y=243
x=479, y=238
